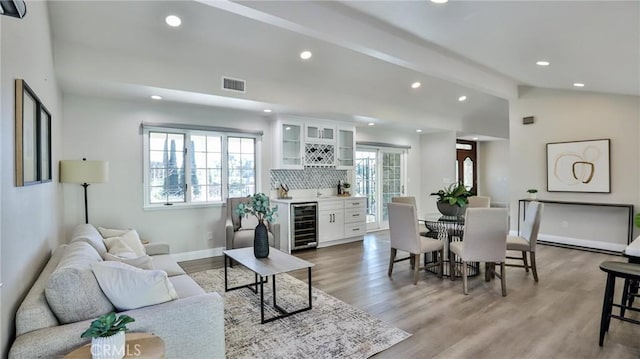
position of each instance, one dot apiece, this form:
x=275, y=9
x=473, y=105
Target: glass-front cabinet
x=315, y=132
x=346, y=148
x=290, y=145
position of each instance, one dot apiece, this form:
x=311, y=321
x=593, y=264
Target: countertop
x=313, y=199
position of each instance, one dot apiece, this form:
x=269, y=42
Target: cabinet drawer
x=355, y=203
x=330, y=205
x=354, y=216
x=355, y=229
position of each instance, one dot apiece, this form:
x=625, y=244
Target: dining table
x=447, y=229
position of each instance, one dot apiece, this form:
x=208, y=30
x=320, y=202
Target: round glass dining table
x=447, y=229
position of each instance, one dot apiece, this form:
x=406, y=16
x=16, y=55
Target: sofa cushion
x=73, y=292
x=167, y=264
x=131, y=239
x=143, y=262
x=88, y=233
x=117, y=247
x=185, y=286
x=129, y=287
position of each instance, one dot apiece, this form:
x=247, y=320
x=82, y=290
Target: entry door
x=466, y=165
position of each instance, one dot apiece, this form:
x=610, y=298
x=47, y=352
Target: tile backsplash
x=308, y=178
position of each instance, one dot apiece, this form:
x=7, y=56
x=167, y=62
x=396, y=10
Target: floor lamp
x=85, y=173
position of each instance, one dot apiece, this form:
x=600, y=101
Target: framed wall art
x=33, y=137
x=579, y=166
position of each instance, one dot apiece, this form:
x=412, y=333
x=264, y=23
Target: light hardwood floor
x=558, y=317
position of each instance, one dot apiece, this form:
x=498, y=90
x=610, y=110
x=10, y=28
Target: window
x=184, y=167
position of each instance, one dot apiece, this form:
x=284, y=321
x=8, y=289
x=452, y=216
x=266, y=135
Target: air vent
x=230, y=84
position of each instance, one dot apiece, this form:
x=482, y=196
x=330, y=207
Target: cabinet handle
x=356, y=215
x=356, y=229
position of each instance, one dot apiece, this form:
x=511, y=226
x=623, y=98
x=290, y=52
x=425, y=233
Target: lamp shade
x=83, y=171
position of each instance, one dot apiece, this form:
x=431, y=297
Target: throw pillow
x=111, y=232
x=116, y=246
x=144, y=262
x=131, y=239
x=249, y=222
x=72, y=291
x=128, y=287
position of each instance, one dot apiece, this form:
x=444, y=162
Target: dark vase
x=448, y=209
x=261, y=241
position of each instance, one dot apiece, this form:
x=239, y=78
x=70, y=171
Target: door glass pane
x=391, y=181
x=365, y=186
x=468, y=173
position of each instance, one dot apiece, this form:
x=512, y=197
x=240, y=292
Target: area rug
x=331, y=329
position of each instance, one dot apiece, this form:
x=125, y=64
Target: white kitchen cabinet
x=330, y=221
x=346, y=148
x=320, y=132
x=289, y=146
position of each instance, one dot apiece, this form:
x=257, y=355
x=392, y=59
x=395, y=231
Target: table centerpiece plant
x=453, y=199
x=107, y=335
x=259, y=207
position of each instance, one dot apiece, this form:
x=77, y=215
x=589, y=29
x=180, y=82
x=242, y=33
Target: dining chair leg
x=412, y=261
x=493, y=270
x=392, y=258
x=487, y=272
x=503, y=280
x=534, y=269
x=464, y=278
x=452, y=273
x=524, y=260
x=441, y=271
x=416, y=266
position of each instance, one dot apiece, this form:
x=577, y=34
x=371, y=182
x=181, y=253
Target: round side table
x=139, y=345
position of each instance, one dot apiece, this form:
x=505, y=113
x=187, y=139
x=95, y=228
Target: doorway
x=380, y=176
x=467, y=164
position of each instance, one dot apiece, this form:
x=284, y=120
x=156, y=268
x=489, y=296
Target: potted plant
x=532, y=193
x=107, y=335
x=453, y=199
x=346, y=187
x=259, y=207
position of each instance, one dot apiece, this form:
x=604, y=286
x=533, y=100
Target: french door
x=467, y=164
x=380, y=176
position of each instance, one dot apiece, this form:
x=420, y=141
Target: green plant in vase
x=107, y=335
x=533, y=193
x=258, y=206
x=453, y=199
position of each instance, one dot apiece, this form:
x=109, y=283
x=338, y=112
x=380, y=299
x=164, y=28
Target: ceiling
x=365, y=56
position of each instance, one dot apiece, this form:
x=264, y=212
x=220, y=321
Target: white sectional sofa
x=191, y=326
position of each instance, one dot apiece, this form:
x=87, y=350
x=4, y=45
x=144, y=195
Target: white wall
x=569, y=116
x=31, y=216
x=437, y=165
x=384, y=135
x=106, y=129
x=493, y=170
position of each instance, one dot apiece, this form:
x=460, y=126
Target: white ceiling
x=366, y=55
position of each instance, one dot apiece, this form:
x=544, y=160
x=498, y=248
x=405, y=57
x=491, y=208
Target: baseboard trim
x=204, y=253
x=578, y=243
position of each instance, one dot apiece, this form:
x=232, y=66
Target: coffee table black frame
x=268, y=267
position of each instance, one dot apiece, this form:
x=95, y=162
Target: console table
x=523, y=202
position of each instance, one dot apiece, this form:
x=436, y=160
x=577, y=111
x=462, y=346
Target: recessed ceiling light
x=439, y=1
x=287, y=128
x=267, y=110
x=156, y=97
x=415, y=85
x=418, y=130
x=462, y=98
x=305, y=55
x=578, y=84
x=543, y=63
x=475, y=138
x=173, y=21
x=371, y=124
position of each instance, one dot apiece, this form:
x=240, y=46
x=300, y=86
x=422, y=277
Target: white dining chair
x=412, y=201
x=484, y=240
x=404, y=235
x=526, y=241
x=479, y=202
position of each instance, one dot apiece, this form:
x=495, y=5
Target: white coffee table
x=278, y=262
